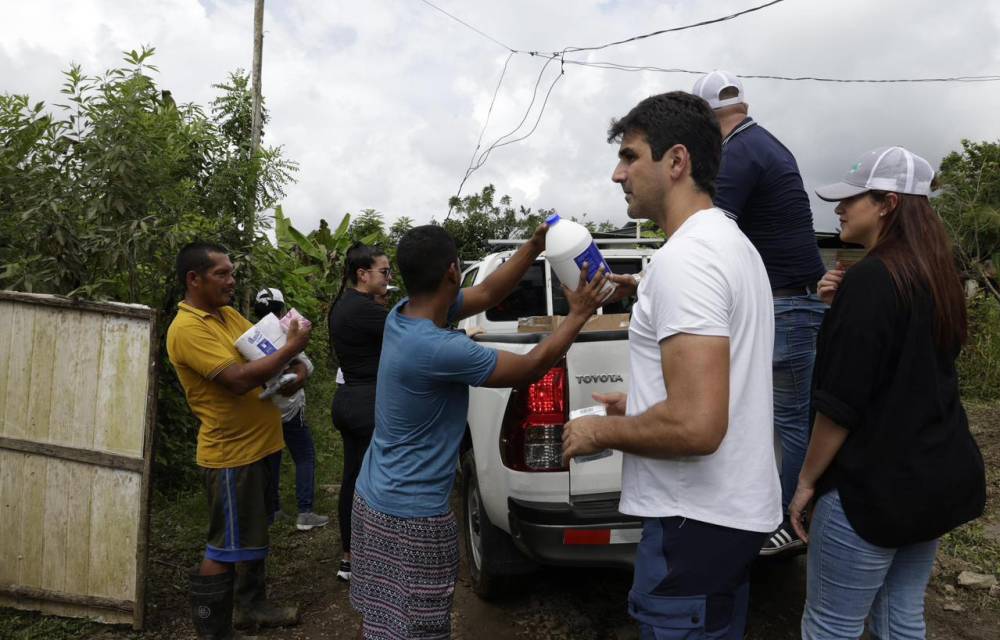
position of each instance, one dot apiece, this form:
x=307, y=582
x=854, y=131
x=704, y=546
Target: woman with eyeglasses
x=891, y=463
x=356, y=322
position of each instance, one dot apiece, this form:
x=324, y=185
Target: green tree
x=969, y=204
x=481, y=217
x=398, y=228
x=97, y=196
x=312, y=263
x=370, y=224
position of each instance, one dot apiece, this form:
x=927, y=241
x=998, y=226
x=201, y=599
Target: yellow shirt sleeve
x=196, y=347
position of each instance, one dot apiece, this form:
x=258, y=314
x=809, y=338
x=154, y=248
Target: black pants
x=354, y=417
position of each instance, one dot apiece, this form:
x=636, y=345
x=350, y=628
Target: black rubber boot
x=212, y=605
x=253, y=609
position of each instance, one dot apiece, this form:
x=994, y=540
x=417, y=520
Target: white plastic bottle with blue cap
x=567, y=246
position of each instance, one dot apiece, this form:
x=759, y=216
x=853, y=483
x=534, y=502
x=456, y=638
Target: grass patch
x=971, y=543
x=25, y=625
x=979, y=362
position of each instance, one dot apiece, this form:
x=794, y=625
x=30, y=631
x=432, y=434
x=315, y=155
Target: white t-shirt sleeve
x=690, y=294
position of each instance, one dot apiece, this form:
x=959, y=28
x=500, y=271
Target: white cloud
x=382, y=102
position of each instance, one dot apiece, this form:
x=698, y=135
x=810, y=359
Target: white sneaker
x=344, y=572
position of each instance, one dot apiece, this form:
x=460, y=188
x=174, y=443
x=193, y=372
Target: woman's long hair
x=914, y=246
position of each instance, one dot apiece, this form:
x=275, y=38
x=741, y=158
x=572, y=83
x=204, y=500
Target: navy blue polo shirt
x=760, y=187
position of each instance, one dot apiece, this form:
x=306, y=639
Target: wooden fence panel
x=77, y=409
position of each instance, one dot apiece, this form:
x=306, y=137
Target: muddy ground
x=579, y=604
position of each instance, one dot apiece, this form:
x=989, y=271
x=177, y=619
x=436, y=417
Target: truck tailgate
x=596, y=366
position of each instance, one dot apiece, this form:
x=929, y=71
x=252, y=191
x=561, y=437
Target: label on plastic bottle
x=592, y=256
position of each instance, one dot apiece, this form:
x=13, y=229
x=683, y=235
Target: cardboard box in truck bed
x=548, y=324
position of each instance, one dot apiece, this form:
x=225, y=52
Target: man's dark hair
x=194, y=257
x=677, y=118
x=423, y=256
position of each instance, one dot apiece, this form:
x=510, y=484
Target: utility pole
x=255, y=127
x=258, y=49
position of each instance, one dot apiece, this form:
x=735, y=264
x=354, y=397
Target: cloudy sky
x=382, y=101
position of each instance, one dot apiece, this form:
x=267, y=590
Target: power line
x=469, y=170
x=463, y=22
x=541, y=110
x=527, y=112
x=502, y=140
x=675, y=29
x=475, y=164
x=623, y=67
x=762, y=76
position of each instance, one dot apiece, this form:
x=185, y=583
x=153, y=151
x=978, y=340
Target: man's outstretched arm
x=491, y=291
x=515, y=369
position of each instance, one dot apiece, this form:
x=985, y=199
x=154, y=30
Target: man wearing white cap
x=760, y=187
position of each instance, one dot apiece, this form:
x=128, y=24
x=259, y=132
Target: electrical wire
x=761, y=76
x=482, y=132
x=541, y=110
x=622, y=67
x=502, y=140
x=475, y=164
x=695, y=25
x=463, y=22
x=534, y=96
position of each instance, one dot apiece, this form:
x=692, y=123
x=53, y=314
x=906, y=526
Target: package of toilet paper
x=263, y=339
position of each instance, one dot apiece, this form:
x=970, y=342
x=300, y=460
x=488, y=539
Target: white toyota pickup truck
x=521, y=506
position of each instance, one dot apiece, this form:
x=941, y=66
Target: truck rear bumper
x=588, y=532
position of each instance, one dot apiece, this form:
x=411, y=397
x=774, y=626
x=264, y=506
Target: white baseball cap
x=710, y=85
x=266, y=295
x=884, y=169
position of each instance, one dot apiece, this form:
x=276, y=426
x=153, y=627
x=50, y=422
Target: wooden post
x=255, y=127
x=258, y=49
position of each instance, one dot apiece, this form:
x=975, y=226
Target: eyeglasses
x=386, y=272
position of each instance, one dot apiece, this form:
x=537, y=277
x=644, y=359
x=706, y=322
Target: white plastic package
x=263, y=339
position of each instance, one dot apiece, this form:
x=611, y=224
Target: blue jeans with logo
x=796, y=325
x=850, y=579
x=299, y=441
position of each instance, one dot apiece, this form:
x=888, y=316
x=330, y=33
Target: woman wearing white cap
x=891, y=462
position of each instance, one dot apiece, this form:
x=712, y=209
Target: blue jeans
x=796, y=325
x=849, y=579
x=692, y=579
x=299, y=441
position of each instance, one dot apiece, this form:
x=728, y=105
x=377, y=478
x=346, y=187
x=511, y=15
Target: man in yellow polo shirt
x=238, y=431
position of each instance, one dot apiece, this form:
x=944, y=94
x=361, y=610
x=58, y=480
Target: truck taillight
x=531, y=437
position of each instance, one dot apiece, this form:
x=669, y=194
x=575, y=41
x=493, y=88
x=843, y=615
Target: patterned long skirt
x=403, y=573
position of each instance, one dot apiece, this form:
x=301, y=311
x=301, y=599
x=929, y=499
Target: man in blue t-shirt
x=760, y=187
x=404, y=536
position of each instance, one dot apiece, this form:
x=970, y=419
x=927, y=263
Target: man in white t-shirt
x=696, y=426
